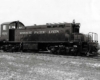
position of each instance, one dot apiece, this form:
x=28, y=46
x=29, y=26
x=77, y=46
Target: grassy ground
x=23, y=66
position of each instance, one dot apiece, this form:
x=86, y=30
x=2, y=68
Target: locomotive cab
x=8, y=30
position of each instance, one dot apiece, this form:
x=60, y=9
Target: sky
x=30, y=12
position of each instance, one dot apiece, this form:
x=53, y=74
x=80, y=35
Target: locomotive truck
x=58, y=38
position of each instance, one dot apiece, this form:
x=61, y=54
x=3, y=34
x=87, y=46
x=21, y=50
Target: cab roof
x=9, y=23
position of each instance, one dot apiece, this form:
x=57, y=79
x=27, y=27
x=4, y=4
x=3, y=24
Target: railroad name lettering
x=39, y=32
x=43, y=32
x=26, y=32
x=54, y=31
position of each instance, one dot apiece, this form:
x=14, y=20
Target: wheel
x=53, y=50
x=87, y=54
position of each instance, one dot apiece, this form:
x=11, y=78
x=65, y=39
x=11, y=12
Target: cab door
x=11, y=34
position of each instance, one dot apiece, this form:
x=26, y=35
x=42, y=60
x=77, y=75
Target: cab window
x=4, y=27
x=12, y=27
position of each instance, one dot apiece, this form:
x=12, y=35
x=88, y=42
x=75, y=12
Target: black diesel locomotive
x=58, y=38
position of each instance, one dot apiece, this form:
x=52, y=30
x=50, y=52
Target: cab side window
x=4, y=27
x=12, y=27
